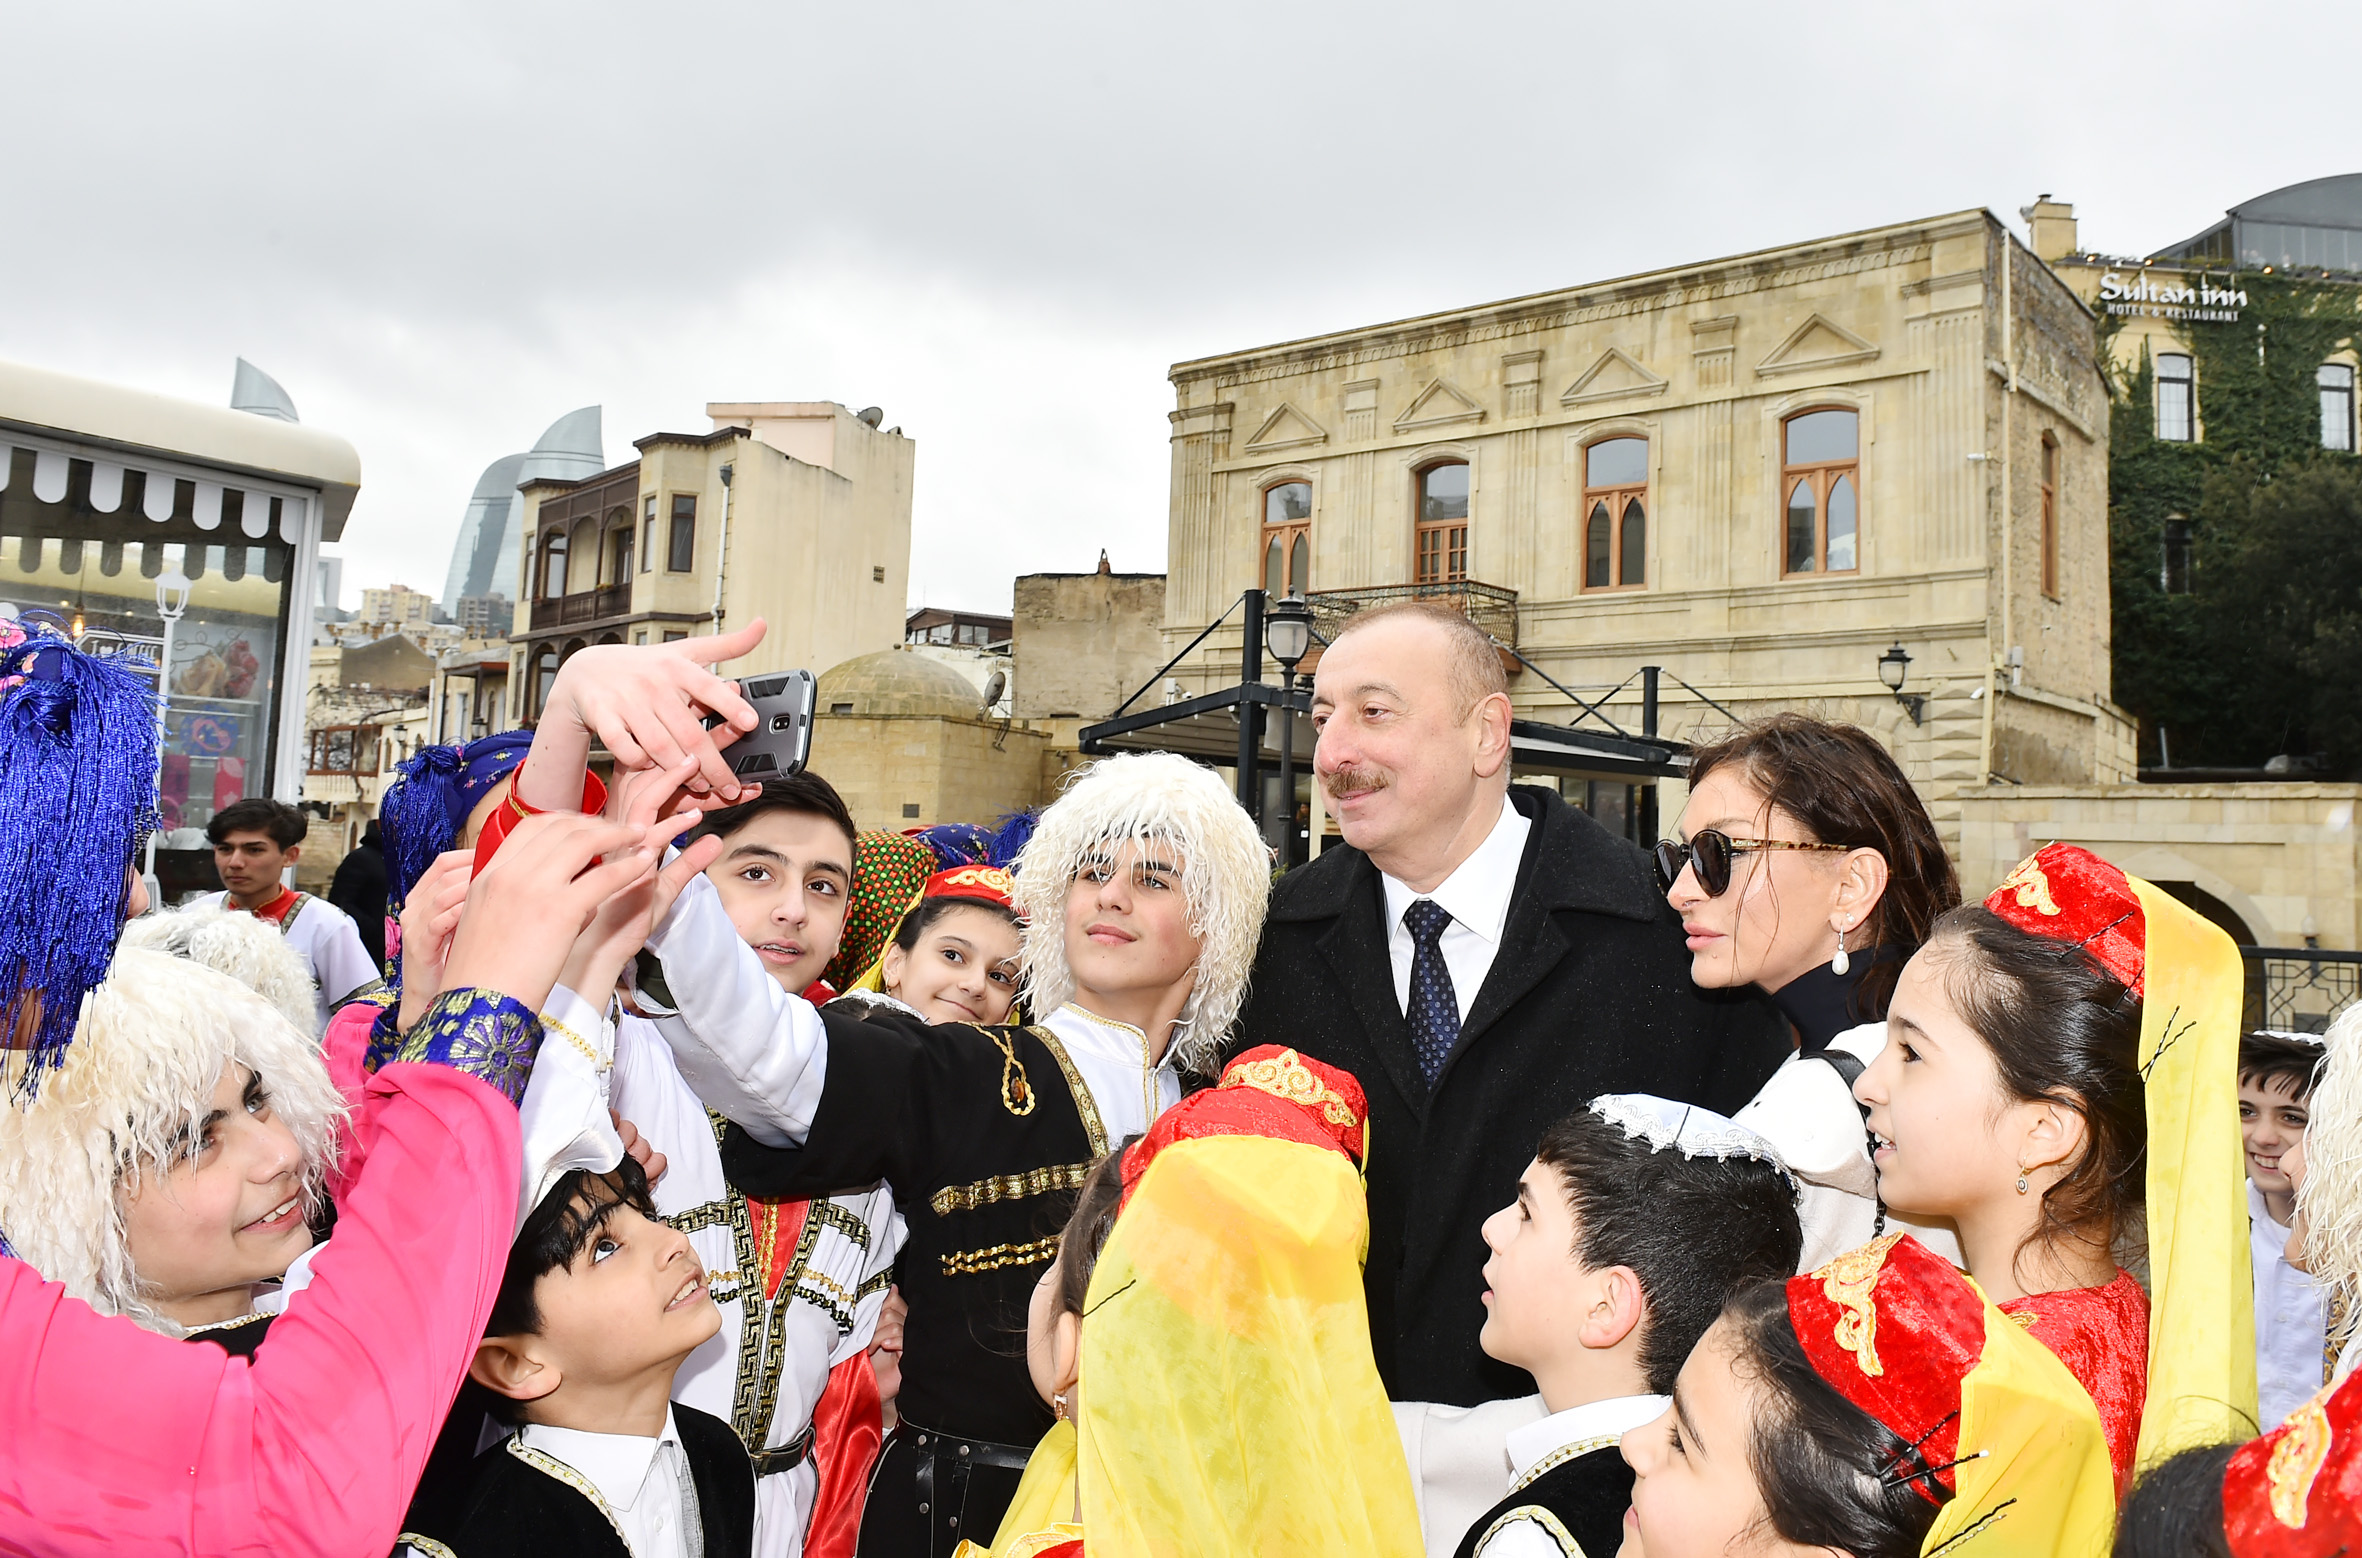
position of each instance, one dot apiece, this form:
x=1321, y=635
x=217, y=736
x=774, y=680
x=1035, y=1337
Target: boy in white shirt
x=1636, y=1219
x=255, y=841
x=2276, y=1072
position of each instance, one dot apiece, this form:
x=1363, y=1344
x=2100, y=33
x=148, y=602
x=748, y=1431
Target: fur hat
x=153, y=1042
x=1225, y=875
x=233, y=942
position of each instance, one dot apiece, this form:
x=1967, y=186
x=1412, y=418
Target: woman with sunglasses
x=1806, y=867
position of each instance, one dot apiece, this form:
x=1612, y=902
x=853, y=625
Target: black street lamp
x=1287, y=634
x=1893, y=667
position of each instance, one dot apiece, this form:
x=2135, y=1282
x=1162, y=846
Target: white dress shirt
x=1476, y=895
x=1539, y=1447
x=643, y=1484
x=759, y=1056
x=1459, y=1460
x=329, y=943
x=2290, y=1319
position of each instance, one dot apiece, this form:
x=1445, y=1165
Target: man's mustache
x=1354, y=781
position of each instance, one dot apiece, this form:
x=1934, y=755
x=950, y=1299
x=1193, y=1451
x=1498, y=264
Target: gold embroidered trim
x=2025, y=1319
x=712, y=1214
x=1285, y=1076
x=843, y=1221
x=1560, y=1456
x=1083, y=1103
x=550, y=1465
x=588, y=1050
x=1847, y=1281
x=230, y=1325
x=1016, y=1088
x=878, y=1282
x=2296, y=1461
x=2032, y=886
x=971, y=1263
x=1009, y=1187
x=1551, y=1525
x=424, y=1546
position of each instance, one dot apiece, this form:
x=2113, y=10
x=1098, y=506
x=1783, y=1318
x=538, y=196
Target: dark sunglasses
x=1709, y=854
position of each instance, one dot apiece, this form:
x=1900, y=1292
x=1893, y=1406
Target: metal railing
x=596, y=605
x=2299, y=989
x=1489, y=606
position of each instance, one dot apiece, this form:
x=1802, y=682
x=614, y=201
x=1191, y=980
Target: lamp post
x=172, y=599
x=1287, y=633
x=1893, y=667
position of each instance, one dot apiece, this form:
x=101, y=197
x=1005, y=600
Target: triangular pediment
x=1286, y=428
x=1613, y=377
x=1441, y=404
x=1817, y=343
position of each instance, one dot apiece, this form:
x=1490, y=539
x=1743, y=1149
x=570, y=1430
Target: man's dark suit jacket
x=1589, y=993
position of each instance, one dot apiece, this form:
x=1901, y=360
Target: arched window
x=1287, y=538
x=545, y=676
x=553, y=568
x=1615, y=514
x=1440, y=541
x=2050, y=516
x=619, y=546
x=2177, y=399
x=2337, y=406
x=1821, y=477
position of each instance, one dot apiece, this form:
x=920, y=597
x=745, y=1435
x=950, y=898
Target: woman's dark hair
x=1831, y=1475
x=1087, y=1228
x=1842, y=787
x=2061, y=1029
x=2177, y=1510
x=921, y=919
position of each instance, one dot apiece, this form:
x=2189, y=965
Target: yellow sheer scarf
x=2201, y=1294
x=1230, y=1402
x=1042, y=1513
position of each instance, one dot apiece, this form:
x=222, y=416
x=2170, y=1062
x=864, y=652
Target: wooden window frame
x=2346, y=392
x=1615, y=498
x=679, y=558
x=1451, y=535
x=556, y=535
x=1823, y=474
x=648, y=533
x=1287, y=532
x=2049, y=487
x=2187, y=383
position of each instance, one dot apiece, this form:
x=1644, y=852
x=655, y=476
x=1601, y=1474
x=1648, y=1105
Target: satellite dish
x=995, y=685
x=872, y=415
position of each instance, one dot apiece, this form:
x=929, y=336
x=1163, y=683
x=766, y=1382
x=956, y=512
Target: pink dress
x=116, y=1440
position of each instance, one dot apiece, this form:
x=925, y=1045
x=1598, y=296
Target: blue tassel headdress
x=425, y=811
x=959, y=844
x=77, y=794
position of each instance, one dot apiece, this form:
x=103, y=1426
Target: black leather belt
x=946, y=1461
x=786, y=1457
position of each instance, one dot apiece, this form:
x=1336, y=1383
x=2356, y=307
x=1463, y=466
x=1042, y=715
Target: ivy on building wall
x=2241, y=666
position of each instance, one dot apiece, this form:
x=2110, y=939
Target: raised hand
x=645, y=703
x=429, y=916
x=643, y=800
x=525, y=911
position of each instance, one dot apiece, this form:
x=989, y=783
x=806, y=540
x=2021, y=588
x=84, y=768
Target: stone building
x=1758, y=473
x=908, y=742
x=795, y=512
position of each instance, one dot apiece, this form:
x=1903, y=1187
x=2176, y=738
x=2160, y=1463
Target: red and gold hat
x=1896, y=1330
x=1267, y=1091
x=2297, y=1491
x=985, y=884
x=2070, y=894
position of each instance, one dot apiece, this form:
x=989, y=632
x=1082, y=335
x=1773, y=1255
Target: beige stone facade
x=795, y=512
x=905, y=740
x=1977, y=490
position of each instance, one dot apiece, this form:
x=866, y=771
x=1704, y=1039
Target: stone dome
x=896, y=681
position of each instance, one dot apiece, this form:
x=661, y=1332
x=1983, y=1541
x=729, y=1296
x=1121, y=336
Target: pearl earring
x=1841, y=965
x=2021, y=1182
x=1058, y=1400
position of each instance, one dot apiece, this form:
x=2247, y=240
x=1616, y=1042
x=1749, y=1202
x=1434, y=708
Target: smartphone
x=781, y=742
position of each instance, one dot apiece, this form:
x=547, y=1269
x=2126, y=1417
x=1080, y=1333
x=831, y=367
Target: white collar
x=1089, y=1030
x=616, y=1464
x=1533, y=1443
x=2259, y=1214
x=1476, y=895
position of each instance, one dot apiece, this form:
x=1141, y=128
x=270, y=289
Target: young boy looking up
x=598, y=1306
x=1636, y=1219
x=2275, y=1089
x=809, y=1414
x=255, y=841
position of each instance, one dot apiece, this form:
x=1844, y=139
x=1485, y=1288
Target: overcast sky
x=442, y=226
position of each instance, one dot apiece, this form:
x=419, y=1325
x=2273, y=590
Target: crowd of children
x=702, y=1176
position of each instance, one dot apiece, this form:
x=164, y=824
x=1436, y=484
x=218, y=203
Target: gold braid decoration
x=2032, y=887
x=970, y=1263
x=1848, y=1281
x=1285, y=1076
x=1009, y=1187
x=2296, y=1461
x=1017, y=1094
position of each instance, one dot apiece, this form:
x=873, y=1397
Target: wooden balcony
x=582, y=608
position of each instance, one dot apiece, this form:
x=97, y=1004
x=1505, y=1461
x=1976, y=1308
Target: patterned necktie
x=1434, y=1010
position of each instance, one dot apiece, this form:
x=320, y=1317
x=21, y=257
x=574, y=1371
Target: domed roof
x=896, y=681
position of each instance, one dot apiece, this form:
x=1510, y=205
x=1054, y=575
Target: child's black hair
x=2266, y=1058
x=1694, y=1230
x=560, y=1228
x=282, y=823
x=919, y=920
x=1087, y=1228
x=806, y=792
x=2177, y=1510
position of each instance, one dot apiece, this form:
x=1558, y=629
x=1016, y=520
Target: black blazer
x=1589, y=993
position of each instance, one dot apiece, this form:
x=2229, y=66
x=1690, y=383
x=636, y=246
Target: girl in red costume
x=2062, y=1062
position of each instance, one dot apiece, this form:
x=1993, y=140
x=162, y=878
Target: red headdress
x=984, y=884
x=1271, y=1092
x=2297, y=1491
x=2070, y=894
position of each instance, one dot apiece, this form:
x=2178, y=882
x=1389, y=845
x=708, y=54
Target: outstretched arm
x=644, y=703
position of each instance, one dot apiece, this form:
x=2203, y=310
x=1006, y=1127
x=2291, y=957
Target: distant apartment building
x=485, y=616
x=396, y=606
x=936, y=625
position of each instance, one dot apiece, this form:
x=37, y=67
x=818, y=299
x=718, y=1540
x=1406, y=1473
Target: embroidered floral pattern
x=1285, y=1076
x=2031, y=886
x=1848, y=1281
x=480, y=1032
x=385, y=1040
x=2296, y=1461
